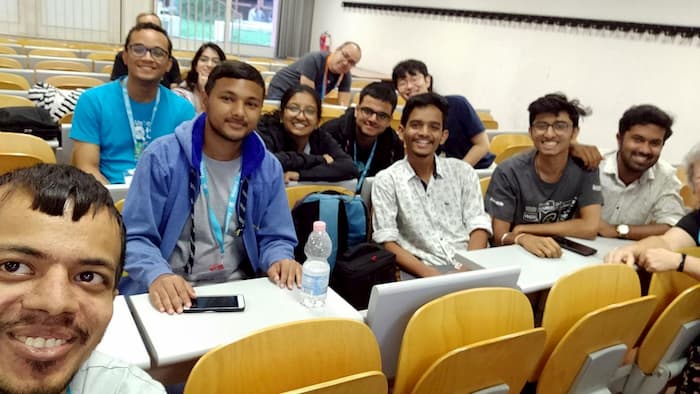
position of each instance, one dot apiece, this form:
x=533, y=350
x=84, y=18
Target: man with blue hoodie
x=207, y=204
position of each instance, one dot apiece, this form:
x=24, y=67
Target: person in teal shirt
x=114, y=122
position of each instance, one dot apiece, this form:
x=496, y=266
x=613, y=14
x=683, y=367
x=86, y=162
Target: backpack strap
x=328, y=212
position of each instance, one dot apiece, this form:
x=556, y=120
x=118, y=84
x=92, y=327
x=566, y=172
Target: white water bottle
x=316, y=271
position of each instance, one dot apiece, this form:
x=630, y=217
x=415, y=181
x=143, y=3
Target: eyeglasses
x=295, y=110
x=352, y=62
x=381, y=116
x=410, y=79
x=140, y=50
x=207, y=60
x=559, y=126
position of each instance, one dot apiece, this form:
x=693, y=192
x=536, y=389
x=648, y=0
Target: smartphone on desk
x=233, y=303
x=574, y=246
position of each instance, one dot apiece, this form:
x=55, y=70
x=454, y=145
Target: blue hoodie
x=158, y=205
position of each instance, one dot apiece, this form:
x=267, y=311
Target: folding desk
x=122, y=339
x=540, y=273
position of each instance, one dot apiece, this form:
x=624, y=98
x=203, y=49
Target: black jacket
x=311, y=167
x=389, y=145
x=119, y=69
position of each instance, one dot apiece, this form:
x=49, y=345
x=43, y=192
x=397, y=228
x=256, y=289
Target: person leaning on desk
x=213, y=170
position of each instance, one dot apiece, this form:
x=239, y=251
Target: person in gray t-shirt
x=545, y=192
x=322, y=71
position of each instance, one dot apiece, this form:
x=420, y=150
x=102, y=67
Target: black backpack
x=360, y=268
x=29, y=120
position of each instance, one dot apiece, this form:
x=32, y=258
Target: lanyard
x=325, y=78
x=217, y=230
x=363, y=167
x=138, y=133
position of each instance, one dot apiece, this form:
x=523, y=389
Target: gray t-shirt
x=516, y=194
x=207, y=258
x=312, y=66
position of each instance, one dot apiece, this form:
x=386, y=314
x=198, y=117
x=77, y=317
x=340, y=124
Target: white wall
x=503, y=66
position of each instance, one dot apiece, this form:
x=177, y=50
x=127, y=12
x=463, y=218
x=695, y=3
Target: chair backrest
x=52, y=52
x=287, y=357
x=106, y=69
x=6, y=62
x=61, y=65
x=330, y=113
x=296, y=193
x=66, y=119
x=666, y=286
x=8, y=100
x=39, y=42
x=269, y=107
x=581, y=292
x=487, y=120
x=119, y=204
x=372, y=382
x=456, y=320
x=13, y=82
x=507, y=359
x=615, y=324
x=73, y=81
x=511, y=151
x=689, y=198
x=7, y=50
x=684, y=308
x=104, y=56
x=484, y=183
x=500, y=142
x=19, y=150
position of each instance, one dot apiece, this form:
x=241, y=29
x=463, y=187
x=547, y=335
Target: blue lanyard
x=138, y=134
x=217, y=230
x=325, y=79
x=363, y=167
x=68, y=389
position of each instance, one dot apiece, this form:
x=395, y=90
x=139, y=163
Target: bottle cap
x=319, y=225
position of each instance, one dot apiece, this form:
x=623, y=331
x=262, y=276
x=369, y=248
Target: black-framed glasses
x=295, y=110
x=558, y=126
x=368, y=112
x=140, y=50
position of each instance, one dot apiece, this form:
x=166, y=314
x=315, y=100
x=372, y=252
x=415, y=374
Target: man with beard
x=61, y=257
x=364, y=132
x=640, y=192
x=207, y=204
x=426, y=207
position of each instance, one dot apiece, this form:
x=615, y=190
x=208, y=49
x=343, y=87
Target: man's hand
x=588, y=154
x=624, y=255
x=171, y=293
x=285, y=272
x=539, y=246
x=290, y=176
x=607, y=230
x=659, y=260
x=328, y=158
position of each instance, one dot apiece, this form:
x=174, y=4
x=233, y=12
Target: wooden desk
x=183, y=338
x=539, y=273
x=122, y=339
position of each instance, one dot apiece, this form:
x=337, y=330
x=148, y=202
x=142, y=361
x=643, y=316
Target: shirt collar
x=409, y=172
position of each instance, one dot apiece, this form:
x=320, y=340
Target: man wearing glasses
x=365, y=133
x=322, y=71
x=113, y=123
x=544, y=192
x=172, y=76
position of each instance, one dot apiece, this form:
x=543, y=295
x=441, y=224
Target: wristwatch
x=622, y=230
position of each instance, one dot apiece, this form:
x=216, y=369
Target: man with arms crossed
x=61, y=257
x=114, y=122
x=544, y=192
x=427, y=208
x=207, y=203
x=322, y=71
x=364, y=132
x=640, y=192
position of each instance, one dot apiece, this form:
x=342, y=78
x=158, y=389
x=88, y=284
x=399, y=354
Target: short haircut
x=689, y=160
x=381, y=91
x=236, y=70
x=51, y=185
x=291, y=92
x=148, y=26
x=424, y=100
x=192, y=75
x=346, y=43
x=554, y=103
x=646, y=114
x=141, y=15
x=409, y=67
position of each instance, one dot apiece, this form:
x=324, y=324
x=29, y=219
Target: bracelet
x=515, y=241
x=681, y=265
x=503, y=237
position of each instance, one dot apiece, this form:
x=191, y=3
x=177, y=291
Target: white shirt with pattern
x=433, y=223
x=653, y=198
